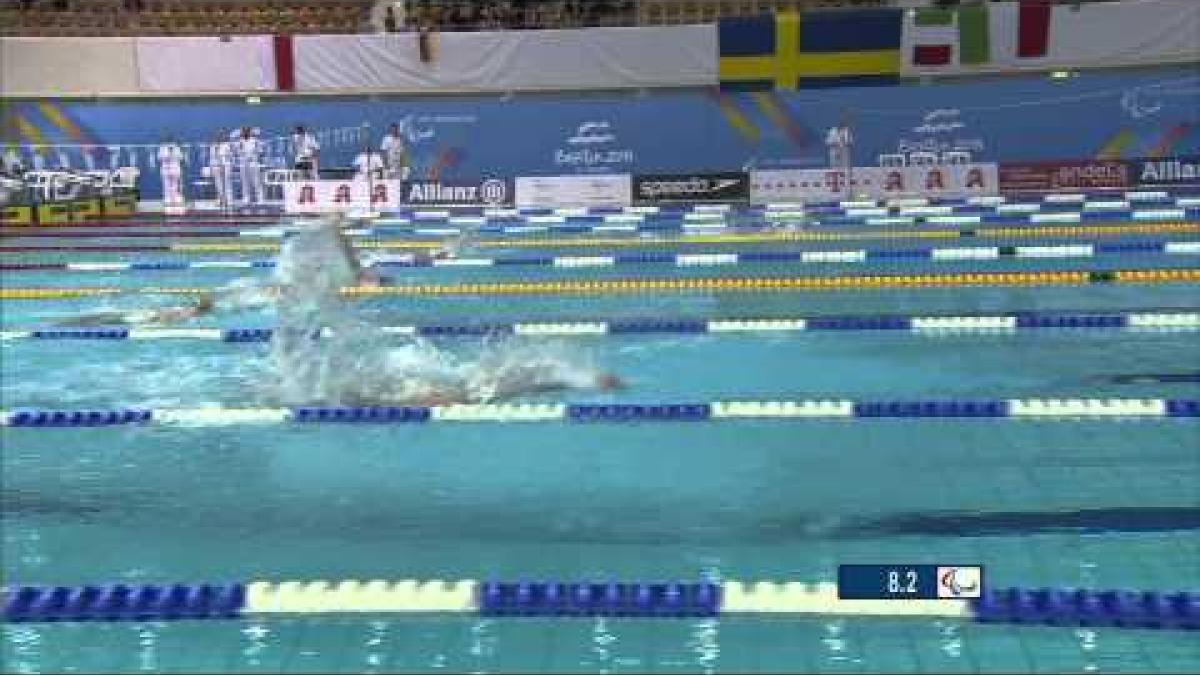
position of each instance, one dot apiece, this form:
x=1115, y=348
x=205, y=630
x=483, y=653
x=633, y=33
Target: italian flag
x=949, y=37
x=1001, y=32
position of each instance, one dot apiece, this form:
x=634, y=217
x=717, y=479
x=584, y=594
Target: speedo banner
x=1097, y=174
x=873, y=182
x=702, y=187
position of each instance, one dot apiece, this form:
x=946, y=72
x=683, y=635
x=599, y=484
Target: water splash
x=324, y=353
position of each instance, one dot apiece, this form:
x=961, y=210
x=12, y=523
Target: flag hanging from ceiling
x=1033, y=28
x=940, y=38
x=814, y=49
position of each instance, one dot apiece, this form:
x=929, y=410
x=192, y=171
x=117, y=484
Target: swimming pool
x=1093, y=503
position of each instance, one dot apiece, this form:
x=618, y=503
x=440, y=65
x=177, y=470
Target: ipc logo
x=493, y=191
x=959, y=582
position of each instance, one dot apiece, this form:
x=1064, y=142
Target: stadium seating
x=184, y=17
x=220, y=17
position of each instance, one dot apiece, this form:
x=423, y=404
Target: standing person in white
x=220, y=167
x=170, y=166
x=249, y=157
x=307, y=149
x=839, y=139
x=368, y=165
x=395, y=154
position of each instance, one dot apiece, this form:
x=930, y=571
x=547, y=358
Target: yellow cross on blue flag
x=814, y=49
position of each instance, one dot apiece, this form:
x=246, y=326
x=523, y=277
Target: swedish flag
x=814, y=49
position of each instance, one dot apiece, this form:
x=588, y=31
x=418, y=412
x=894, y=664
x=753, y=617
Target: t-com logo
x=960, y=582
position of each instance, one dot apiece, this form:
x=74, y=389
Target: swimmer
x=164, y=316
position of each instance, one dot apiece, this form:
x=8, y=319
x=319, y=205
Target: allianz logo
x=490, y=191
x=1170, y=170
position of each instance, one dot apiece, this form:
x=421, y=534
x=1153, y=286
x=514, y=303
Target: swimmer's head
x=370, y=279
x=205, y=304
x=609, y=382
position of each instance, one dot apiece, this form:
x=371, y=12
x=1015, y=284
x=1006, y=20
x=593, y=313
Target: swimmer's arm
x=348, y=251
x=95, y=319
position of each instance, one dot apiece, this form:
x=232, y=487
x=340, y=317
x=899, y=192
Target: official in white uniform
x=220, y=168
x=839, y=139
x=12, y=164
x=170, y=167
x=249, y=151
x=395, y=154
x=368, y=164
x=307, y=150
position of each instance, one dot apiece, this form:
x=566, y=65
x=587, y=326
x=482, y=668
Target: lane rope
x=920, y=324
x=645, y=241
x=1178, y=610
x=974, y=253
x=583, y=221
x=673, y=285
x=736, y=238
x=1053, y=408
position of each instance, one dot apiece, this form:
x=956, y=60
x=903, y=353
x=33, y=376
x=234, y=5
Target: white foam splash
x=352, y=365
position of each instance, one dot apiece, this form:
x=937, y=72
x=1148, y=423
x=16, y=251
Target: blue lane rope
x=862, y=256
x=734, y=220
x=1055, y=408
x=1149, y=320
x=1164, y=610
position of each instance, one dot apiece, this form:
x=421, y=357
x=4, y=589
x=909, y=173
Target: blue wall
x=1125, y=114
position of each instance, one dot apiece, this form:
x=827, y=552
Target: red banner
x=285, y=64
x=1050, y=176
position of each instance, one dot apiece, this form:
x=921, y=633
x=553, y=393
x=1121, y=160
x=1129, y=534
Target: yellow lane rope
x=744, y=238
x=719, y=284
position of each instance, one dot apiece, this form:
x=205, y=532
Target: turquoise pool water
x=1098, y=504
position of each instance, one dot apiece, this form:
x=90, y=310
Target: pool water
x=1097, y=504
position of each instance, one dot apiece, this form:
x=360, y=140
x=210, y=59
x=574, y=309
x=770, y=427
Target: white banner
x=330, y=196
x=206, y=64
x=50, y=66
x=511, y=60
x=563, y=191
x=873, y=182
x=1130, y=32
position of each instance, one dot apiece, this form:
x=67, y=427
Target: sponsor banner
x=564, y=191
x=873, y=182
x=1068, y=175
x=706, y=187
x=490, y=192
x=939, y=181
x=327, y=196
x=1165, y=171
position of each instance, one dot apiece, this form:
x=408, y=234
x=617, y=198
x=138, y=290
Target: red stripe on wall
x=285, y=64
x=932, y=55
x=1033, y=28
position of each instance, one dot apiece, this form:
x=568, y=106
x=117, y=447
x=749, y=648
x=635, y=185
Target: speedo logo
x=691, y=186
